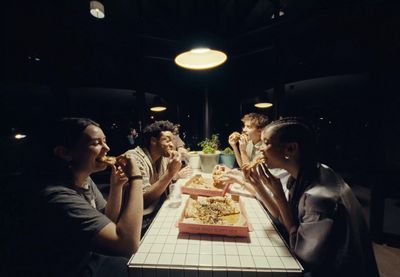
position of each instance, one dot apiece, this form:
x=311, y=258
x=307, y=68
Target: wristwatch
x=135, y=177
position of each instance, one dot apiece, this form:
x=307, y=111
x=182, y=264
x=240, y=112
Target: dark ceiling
x=59, y=43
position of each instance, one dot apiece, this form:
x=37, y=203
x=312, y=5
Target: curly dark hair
x=259, y=120
x=154, y=131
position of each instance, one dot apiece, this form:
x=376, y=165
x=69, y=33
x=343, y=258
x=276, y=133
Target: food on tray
x=213, y=210
x=199, y=182
x=217, y=173
x=109, y=160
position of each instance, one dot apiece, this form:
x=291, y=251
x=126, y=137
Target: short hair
x=154, y=131
x=295, y=129
x=68, y=131
x=259, y=120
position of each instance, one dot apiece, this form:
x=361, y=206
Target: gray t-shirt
x=72, y=217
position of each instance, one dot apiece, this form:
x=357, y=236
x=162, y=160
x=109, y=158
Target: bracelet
x=135, y=177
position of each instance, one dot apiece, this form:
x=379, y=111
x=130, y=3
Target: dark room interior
x=334, y=63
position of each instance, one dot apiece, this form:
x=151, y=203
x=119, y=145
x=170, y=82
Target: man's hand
x=243, y=141
x=175, y=163
x=233, y=139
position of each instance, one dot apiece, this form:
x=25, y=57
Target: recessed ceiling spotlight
x=32, y=58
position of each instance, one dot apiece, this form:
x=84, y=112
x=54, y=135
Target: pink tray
x=212, y=229
x=203, y=192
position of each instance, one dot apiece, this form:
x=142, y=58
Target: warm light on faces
x=252, y=132
x=165, y=144
x=91, y=147
x=272, y=150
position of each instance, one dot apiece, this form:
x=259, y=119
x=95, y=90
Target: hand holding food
x=128, y=165
x=234, y=138
x=175, y=163
x=118, y=177
x=108, y=160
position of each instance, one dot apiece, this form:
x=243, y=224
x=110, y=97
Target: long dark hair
x=66, y=132
x=292, y=129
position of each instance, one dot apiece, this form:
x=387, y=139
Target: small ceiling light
x=19, y=136
x=261, y=102
x=158, y=104
x=263, y=105
x=158, y=109
x=97, y=9
x=201, y=58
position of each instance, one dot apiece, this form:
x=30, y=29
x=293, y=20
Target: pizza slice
x=109, y=160
x=256, y=161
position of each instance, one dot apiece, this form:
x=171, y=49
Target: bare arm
x=114, y=200
x=157, y=189
x=243, y=141
x=123, y=238
x=233, y=143
x=275, y=186
x=265, y=197
x=153, y=193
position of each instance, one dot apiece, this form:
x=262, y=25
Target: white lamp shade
x=97, y=9
x=201, y=58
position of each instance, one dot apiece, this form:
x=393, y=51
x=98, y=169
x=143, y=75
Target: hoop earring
x=286, y=157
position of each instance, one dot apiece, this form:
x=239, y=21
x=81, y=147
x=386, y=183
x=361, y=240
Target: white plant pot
x=208, y=161
x=194, y=159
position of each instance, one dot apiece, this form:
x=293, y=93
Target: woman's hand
x=261, y=176
x=128, y=165
x=118, y=178
x=231, y=177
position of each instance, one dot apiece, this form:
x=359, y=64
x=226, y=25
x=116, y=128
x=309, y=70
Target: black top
x=332, y=237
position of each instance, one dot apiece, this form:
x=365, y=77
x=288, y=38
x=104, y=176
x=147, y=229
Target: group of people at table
x=89, y=236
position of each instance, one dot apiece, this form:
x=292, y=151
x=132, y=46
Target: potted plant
x=194, y=159
x=209, y=156
x=227, y=157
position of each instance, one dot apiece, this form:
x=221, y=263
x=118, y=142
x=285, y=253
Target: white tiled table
x=165, y=252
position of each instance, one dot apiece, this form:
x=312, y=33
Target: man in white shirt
x=247, y=148
x=246, y=145
x=158, y=163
